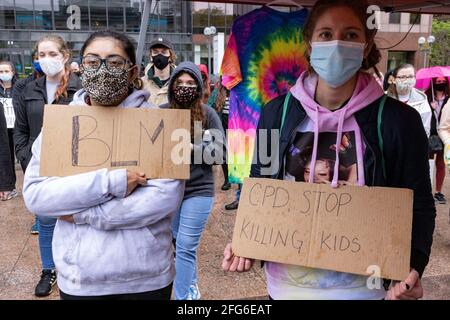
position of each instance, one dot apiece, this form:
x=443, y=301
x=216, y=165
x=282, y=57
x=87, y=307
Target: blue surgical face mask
x=37, y=66
x=337, y=61
x=6, y=77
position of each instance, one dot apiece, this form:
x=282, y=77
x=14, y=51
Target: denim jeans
x=188, y=226
x=46, y=227
x=238, y=192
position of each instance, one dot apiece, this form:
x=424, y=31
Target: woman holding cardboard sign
x=332, y=99
x=56, y=87
x=186, y=92
x=113, y=238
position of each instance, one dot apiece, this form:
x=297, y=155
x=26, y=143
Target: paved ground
x=20, y=264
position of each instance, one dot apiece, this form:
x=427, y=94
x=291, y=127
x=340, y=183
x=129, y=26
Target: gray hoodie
x=201, y=181
x=118, y=244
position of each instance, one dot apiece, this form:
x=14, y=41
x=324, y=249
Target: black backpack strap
x=380, y=136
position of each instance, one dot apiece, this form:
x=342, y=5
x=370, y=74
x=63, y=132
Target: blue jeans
x=46, y=227
x=188, y=226
x=238, y=192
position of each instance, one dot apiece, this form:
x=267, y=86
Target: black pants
x=12, y=152
x=161, y=294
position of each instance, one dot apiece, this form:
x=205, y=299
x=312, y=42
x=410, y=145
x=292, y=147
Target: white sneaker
x=194, y=292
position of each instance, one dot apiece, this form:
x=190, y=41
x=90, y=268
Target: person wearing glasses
x=403, y=89
x=56, y=86
x=158, y=71
x=207, y=143
x=113, y=238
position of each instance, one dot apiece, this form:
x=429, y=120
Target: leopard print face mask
x=104, y=87
x=185, y=96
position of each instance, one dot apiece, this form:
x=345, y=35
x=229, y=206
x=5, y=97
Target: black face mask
x=160, y=61
x=440, y=86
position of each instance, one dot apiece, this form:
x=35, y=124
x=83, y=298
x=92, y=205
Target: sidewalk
x=20, y=263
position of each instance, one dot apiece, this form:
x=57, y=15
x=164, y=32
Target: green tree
x=440, y=55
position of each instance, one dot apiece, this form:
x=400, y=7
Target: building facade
x=23, y=22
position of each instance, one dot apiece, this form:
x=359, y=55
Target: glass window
x=394, y=17
x=24, y=14
x=115, y=15
x=165, y=13
x=98, y=14
x=7, y=14
x=200, y=17
x=43, y=14
x=133, y=10
x=396, y=58
x=229, y=18
x=218, y=16
x=415, y=18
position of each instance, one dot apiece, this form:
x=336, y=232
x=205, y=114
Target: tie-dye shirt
x=263, y=59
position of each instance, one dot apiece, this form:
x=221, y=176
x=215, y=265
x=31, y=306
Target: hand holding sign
x=358, y=230
x=234, y=263
x=133, y=180
x=410, y=289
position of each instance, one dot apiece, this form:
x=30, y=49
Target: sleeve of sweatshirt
x=145, y=206
x=212, y=148
x=444, y=125
x=426, y=118
x=60, y=196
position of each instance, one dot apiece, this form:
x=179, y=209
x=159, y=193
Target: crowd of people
x=114, y=234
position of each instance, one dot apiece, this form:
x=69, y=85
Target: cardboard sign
x=358, y=230
x=82, y=139
x=9, y=112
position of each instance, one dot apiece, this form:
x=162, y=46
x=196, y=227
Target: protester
x=334, y=98
x=75, y=68
x=186, y=92
x=7, y=82
x=221, y=103
x=18, y=89
x=7, y=178
x=403, y=89
x=57, y=86
x=444, y=131
x=125, y=248
x=438, y=96
x=159, y=70
x=388, y=80
x=206, y=83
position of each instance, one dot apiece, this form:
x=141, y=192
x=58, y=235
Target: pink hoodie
x=367, y=91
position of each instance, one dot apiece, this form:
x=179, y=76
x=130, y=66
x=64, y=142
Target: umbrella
x=425, y=76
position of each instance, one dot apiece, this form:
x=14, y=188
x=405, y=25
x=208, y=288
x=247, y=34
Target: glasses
x=114, y=64
x=406, y=78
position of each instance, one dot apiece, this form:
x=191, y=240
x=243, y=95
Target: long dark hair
x=197, y=112
x=126, y=43
x=222, y=94
x=392, y=90
x=359, y=8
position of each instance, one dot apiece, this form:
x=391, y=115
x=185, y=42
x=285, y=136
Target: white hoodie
x=419, y=102
x=118, y=244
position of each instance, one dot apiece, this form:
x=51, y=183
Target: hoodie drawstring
x=312, y=167
x=334, y=183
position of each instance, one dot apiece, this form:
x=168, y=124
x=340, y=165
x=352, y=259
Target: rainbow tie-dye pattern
x=263, y=59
